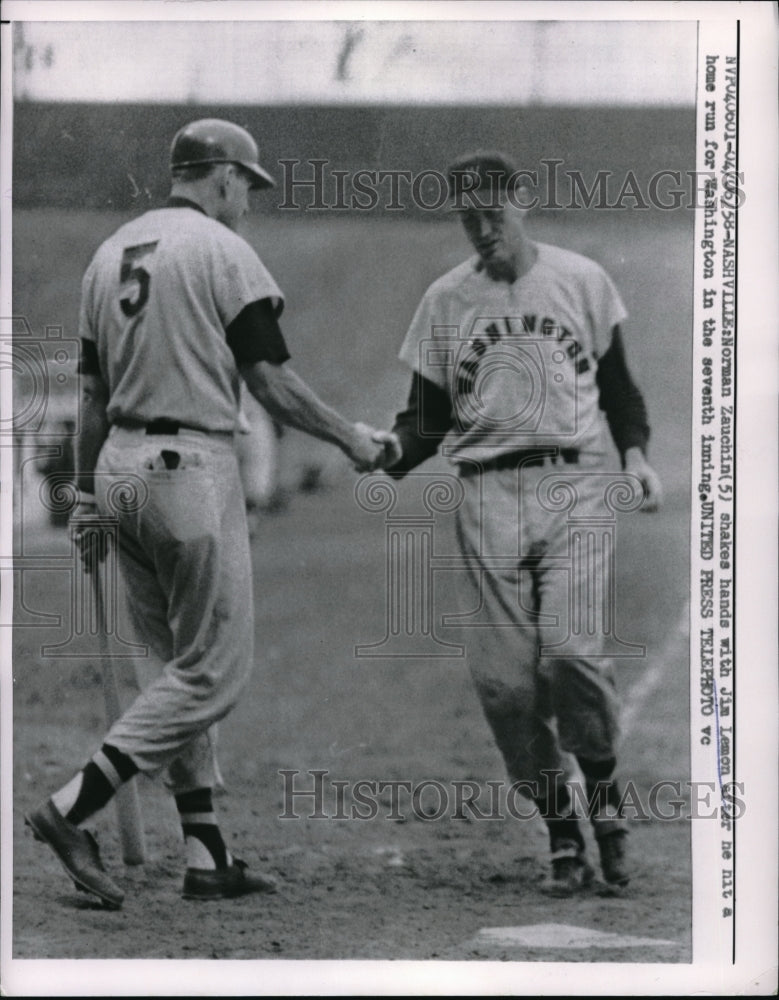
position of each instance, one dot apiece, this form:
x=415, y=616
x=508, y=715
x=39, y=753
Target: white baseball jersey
x=518, y=360
x=157, y=299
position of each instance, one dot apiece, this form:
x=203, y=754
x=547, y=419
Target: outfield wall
x=114, y=156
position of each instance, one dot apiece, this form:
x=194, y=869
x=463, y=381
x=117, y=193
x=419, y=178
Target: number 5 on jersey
x=134, y=275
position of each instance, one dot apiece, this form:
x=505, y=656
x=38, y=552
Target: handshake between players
x=383, y=449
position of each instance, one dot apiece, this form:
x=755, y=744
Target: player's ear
x=524, y=198
x=222, y=177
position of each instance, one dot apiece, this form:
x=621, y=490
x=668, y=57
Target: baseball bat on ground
x=128, y=806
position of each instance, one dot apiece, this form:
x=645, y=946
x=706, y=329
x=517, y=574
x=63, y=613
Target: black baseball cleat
x=613, y=862
x=225, y=883
x=611, y=832
x=77, y=852
x=570, y=871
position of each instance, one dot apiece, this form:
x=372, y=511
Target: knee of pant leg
x=586, y=708
x=193, y=768
x=499, y=699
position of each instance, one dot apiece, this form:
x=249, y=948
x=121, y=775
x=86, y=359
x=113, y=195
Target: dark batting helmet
x=212, y=140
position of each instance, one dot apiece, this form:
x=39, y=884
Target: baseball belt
x=524, y=458
x=165, y=426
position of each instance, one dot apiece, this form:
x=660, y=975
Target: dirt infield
x=410, y=887
x=381, y=888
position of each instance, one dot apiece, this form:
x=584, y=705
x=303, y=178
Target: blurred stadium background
x=96, y=104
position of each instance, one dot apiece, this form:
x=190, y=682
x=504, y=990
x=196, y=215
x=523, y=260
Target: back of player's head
x=202, y=144
x=487, y=172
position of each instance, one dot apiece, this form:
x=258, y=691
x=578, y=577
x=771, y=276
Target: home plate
x=560, y=936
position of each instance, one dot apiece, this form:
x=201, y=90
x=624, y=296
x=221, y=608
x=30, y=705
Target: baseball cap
x=486, y=171
x=214, y=140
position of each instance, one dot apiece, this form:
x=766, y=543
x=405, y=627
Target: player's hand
x=89, y=532
x=364, y=450
x=637, y=465
x=393, y=452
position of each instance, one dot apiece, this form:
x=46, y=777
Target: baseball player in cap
x=176, y=308
x=532, y=360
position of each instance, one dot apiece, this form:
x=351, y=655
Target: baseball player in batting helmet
x=516, y=397
x=176, y=308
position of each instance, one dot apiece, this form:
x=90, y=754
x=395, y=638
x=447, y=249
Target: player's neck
x=524, y=256
x=199, y=194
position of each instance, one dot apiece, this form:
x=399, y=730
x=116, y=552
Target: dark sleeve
x=621, y=399
x=422, y=426
x=87, y=361
x=254, y=335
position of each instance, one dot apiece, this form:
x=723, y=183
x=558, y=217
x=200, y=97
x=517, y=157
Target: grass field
x=373, y=889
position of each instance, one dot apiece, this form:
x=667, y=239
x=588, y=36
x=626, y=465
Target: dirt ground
x=403, y=889
x=382, y=888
